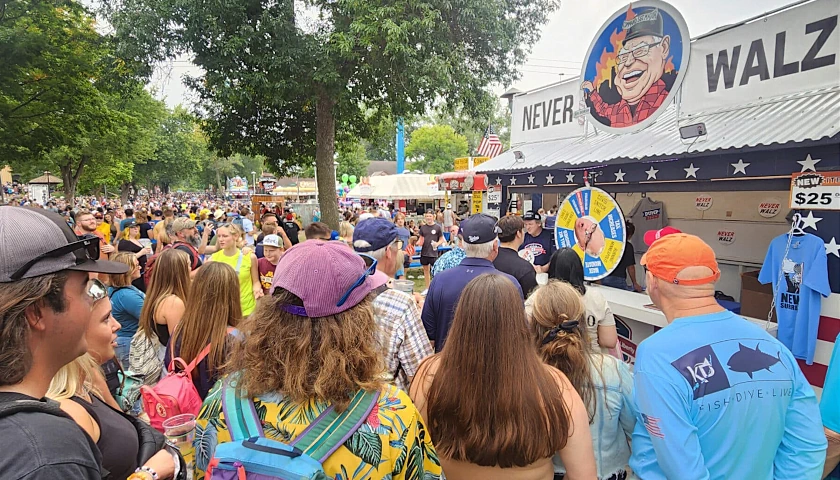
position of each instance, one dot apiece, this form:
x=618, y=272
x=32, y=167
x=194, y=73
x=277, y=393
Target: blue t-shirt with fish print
x=719, y=398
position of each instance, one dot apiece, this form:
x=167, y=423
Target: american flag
x=652, y=426
x=490, y=145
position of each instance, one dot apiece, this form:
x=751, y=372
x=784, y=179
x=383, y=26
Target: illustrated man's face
x=634, y=76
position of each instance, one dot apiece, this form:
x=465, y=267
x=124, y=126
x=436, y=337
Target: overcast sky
x=561, y=47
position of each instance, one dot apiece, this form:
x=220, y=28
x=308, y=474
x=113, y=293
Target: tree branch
x=34, y=97
x=23, y=117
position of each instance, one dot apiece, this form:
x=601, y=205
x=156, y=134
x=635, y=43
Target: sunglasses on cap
x=371, y=269
x=96, y=290
x=90, y=244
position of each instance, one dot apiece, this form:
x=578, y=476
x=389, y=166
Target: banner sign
x=546, y=114
x=462, y=164
x=815, y=191
x=634, y=66
x=785, y=53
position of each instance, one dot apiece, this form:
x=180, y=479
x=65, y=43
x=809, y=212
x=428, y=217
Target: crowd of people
x=486, y=374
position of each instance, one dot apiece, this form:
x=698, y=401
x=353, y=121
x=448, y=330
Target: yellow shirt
x=246, y=288
x=105, y=229
x=393, y=443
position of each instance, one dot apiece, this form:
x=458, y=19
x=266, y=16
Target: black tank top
x=117, y=438
x=162, y=331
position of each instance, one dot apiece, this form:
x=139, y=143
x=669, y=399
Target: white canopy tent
x=398, y=187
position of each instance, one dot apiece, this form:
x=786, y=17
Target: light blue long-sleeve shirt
x=718, y=398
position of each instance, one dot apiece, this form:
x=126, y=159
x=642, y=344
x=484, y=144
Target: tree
x=283, y=82
x=434, y=148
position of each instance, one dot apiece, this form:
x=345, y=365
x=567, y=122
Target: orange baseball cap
x=673, y=253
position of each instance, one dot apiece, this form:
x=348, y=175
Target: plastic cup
x=180, y=431
x=406, y=286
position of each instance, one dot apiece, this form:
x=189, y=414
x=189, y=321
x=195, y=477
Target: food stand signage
x=815, y=190
x=777, y=55
x=476, y=202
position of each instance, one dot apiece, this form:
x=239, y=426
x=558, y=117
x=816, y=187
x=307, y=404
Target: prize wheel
x=591, y=223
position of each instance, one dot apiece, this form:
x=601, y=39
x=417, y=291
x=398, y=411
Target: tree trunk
x=124, y=191
x=324, y=157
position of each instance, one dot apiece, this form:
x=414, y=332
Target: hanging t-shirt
x=804, y=278
x=540, y=247
x=647, y=215
x=266, y=269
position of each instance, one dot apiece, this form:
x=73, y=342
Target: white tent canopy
x=397, y=187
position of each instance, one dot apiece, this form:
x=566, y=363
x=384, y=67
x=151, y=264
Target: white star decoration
x=531, y=178
x=691, y=171
x=498, y=181
x=740, y=167
x=809, y=164
x=832, y=247
x=619, y=175
x=513, y=180
x=652, y=173
x=810, y=221
x=549, y=178
x=570, y=178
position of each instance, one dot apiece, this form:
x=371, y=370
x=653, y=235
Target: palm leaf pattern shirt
x=393, y=443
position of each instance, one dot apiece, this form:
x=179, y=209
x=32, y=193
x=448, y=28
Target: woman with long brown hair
x=604, y=382
x=212, y=309
x=166, y=299
x=494, y=409
x=313, y=345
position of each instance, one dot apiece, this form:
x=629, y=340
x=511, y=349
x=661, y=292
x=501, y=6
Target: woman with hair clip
x=230, y=241
x=311, y=351
x=212, y=312
x=604, y=382
x=494, y=409
x=79, y=387
x=566, y=265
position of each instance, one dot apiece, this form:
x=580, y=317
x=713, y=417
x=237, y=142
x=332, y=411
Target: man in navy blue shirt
x=481, y=246
x=539, y=242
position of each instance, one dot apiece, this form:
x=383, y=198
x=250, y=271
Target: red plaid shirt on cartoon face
x=620, y=114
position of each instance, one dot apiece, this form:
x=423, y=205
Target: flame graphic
x=609, y=60
x=669, y=65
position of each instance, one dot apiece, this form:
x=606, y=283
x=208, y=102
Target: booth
x=406, y=191
x=41, y=188
x=738, y=130
x=465, y=190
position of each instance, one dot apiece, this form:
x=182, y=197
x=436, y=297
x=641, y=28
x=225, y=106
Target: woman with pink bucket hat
x=310, y=351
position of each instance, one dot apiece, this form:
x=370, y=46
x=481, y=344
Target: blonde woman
x=604, y=383
x=230, y=240
x=80, y=389
x=345, y=232
x=213, y=306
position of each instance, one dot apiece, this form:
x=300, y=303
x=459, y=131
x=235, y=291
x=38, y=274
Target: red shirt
x=620, y=115
x=266, y=272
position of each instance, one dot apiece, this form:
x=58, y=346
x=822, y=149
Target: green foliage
x=434, y=148
x=180, y=151
x=352, y=160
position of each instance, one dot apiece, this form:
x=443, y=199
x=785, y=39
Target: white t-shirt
x=598, y=313
x=248, y=226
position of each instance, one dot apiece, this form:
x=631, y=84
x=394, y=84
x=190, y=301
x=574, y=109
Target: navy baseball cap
x=479, y=228
x=373, y=233
x=531, y=215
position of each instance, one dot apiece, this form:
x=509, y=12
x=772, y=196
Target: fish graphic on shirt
x=749, y=361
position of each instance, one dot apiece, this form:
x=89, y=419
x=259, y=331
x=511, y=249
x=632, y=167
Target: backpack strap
x=50, y=407
x=240, y=415
x=330, y=430
x=239, y=262
x=201, y=356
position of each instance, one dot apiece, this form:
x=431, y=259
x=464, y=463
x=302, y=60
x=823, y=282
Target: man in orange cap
x=716, y=396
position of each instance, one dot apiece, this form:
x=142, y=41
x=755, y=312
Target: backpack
x=251, y=456
x=174, y=394
x=150, y=263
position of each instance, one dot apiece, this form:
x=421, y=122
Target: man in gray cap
x=481, y=246
x=46, y=298
x=400, y=328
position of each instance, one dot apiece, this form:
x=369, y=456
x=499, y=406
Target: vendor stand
x=406, y=191
x=465, y=188
x=718, y=161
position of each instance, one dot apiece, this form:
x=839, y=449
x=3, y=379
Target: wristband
x=149, y=470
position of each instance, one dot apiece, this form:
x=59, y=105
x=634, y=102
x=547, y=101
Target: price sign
x=494, y=197
x=815, y=190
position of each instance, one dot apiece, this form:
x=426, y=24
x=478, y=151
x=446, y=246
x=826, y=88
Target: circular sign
x=591, y=223
x=703, y=202
x=769, y=207
x=726, y=237
x=635, y=66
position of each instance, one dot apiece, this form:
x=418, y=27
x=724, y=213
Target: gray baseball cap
x=36, y=237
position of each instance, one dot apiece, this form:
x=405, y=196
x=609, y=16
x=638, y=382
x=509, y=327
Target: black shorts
x=428, y=260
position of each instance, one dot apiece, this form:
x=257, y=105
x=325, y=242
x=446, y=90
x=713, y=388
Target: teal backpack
x=251, y=456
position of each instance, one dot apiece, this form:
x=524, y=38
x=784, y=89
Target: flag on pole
x=490, y=145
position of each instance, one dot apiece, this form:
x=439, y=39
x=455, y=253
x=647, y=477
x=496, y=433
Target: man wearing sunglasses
x=639, y=73
x=396, y=313
x=46, y=297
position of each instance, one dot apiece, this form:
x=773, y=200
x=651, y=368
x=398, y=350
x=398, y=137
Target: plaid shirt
x=620, y=115
x=402, y=334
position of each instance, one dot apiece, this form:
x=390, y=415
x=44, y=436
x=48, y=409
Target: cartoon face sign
x=634, y=66
x=589, y=236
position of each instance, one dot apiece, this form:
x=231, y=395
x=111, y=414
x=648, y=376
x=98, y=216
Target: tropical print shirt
x=449, y=260
x=392, y=444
